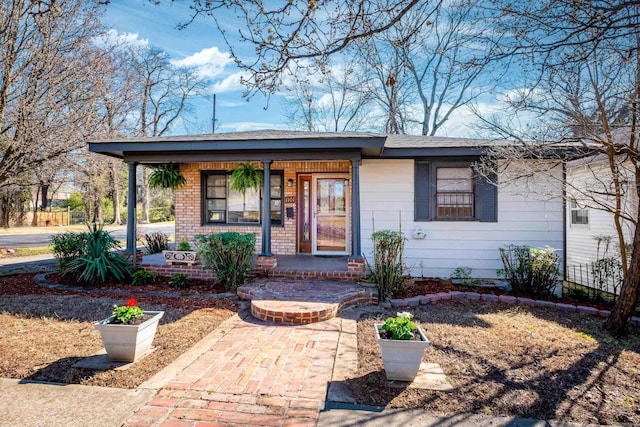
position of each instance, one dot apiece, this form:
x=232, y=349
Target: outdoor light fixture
x=346, y=182
x=289, y=182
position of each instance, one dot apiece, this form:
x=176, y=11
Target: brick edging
x=504, y=299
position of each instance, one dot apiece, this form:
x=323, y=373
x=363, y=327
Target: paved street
x=42, y=236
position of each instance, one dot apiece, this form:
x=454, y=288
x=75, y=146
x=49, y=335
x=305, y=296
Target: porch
x=288, y=266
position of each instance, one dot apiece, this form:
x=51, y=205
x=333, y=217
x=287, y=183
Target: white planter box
x=402, y=358
x=180, y=257
x=126, y=343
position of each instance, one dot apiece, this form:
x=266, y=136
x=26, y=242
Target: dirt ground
x=44, y=332
x=512, y=361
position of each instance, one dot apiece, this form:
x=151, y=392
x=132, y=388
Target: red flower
x=131, y=303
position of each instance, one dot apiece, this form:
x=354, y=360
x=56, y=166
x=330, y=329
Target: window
x=222, y=205
x=451, y=191
x=579, y=215
x=454, y=193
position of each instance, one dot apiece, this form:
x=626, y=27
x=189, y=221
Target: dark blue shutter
x=487, y=199
x=421, y=190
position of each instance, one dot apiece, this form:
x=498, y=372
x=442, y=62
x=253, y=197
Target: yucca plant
x=99, y=262
x=166, y=176
x=245, y=177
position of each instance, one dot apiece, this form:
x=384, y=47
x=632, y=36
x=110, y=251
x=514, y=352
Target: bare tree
x=338, y=101
x=585, y=95
x=162, y=93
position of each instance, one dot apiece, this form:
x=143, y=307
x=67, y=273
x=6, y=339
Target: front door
x=330, y=219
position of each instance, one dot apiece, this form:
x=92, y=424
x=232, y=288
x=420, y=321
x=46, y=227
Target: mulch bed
x=44, y=331
x=511, y=361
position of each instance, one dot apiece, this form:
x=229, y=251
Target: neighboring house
x=591, y=231
x=330, y=191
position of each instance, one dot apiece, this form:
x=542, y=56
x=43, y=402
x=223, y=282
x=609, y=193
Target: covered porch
x=309, y=201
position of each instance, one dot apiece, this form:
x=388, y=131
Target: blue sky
x=201, y=45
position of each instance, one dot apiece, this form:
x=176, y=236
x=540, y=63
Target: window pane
x=455, y=179
x=215, y=216
x=580, y=216
x=249, y=202
x=216, y=193
x=276, y=186
x=217, y=205
x=216, y=181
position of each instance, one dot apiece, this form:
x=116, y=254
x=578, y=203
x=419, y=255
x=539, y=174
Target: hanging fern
x=245, y=177
x=166, y=176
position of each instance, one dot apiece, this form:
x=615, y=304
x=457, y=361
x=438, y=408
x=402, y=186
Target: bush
x=180, y=281
x=98, y=261
x=228, y=255
x=532, y=270
x=67, y=247
x=143, y=277
x=156, y=242
x=388, y=269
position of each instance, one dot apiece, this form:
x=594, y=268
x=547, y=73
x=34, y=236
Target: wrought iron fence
x=598, y=281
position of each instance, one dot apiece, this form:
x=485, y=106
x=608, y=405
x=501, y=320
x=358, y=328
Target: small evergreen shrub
x=228, y=255
x=143, y=277
x=67, y=247
x=99, y=261
x=463, y=274
x=533, y=270
x=156, y=242
x=179, y=281
x=388, y=269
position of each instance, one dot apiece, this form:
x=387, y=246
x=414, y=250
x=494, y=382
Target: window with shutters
x=451, y=191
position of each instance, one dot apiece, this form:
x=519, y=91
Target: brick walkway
x=257, y=373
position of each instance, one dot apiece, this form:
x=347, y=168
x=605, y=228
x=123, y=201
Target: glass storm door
x=330, y=215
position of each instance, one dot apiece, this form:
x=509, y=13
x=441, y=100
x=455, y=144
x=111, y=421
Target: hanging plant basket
x=167, y=176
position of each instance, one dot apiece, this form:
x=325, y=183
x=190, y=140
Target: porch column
x=266, y=210
x=131, y=212
x=356, y=244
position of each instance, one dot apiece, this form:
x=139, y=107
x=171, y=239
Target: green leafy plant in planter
x=400, y=327
x=167, y=176
x=245, y=177
x=184, y=245
x=126, y=313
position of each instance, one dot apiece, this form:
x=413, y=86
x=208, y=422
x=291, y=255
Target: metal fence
x=598, y=281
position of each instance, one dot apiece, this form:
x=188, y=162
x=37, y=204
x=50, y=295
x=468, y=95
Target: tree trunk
x=618, y=321
x=34, y=221
x=146, y=196
x=45, y=196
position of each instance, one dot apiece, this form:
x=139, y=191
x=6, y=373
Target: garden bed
x=43, y=332
x=512, y=361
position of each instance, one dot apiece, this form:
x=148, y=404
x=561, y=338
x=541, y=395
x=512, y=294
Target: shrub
x=463, y=274
x=228, y=255
x=533, y=270
x=607, y=274
x=179, y=281
x=388, y=269
x=67, y=247
x=98, y=261
x=156, y=242
x=143, y=277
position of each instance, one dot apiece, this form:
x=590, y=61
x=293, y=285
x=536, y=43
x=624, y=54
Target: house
x=325, y=193
x=591, y=231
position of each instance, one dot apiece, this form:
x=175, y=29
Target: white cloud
x=230, y=83
x=114, y=38
x=209, y=62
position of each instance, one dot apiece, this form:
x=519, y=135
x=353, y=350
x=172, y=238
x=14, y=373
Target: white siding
x=387, y=194
x=582, y=245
